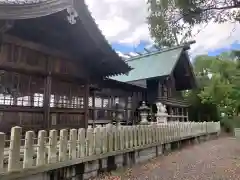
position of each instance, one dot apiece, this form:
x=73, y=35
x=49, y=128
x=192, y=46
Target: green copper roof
x=152, y=65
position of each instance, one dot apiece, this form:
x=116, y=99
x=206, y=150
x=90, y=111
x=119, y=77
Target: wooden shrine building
x=164, y=74
x=53, y=64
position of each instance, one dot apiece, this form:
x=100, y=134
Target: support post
x=94, y=115
x=2, y=145
x=187, y=114
x=86, y=109
x=46, y=101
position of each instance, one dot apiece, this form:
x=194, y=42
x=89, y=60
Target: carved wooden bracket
x=72, y=14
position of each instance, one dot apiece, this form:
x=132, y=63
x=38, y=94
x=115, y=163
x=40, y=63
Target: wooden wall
x=28, y=78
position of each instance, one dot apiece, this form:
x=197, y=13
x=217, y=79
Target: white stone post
x=41, y=149
x=97, y=140
x=14, y=150
x=104, y=139
x=2, y=145
x=121, y=137
x=52, y=149
x=115, y=138
x=135, y=133
x=90, y=141
x=81, y=143
x=63, y=147
x=73, y=144
x=139, y=135
x=130, y=130
x=143, y=134
x=126, y=137
x=149, y=134
x=28, y=150
x=109, y=137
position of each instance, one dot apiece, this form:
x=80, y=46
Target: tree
x=171, y=18
x=218, y=78
x=218, y=91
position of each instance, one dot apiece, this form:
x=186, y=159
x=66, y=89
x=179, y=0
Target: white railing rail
x=64, y=145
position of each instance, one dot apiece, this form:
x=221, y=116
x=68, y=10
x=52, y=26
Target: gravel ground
x=212, y=160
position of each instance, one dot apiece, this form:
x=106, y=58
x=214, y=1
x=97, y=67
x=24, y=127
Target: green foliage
x=218, y=90
x=229, y=123
x=169, y=18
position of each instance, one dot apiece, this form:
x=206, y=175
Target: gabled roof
x=152, y=65
x=64, y=25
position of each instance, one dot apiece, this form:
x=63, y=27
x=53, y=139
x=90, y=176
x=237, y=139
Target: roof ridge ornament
x=72, y=13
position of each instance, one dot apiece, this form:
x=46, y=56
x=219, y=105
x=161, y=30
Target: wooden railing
x=61, y=148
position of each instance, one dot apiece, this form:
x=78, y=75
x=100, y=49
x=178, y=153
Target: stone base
x=119, y=160
x=145, y=155
x=103, y=165
x=90, y=169
x=175, y=145
x=167, y=148
x=159, y=150
x=196, y=140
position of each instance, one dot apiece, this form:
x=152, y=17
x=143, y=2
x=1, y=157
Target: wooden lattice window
x=66, y=94
x=20, y=89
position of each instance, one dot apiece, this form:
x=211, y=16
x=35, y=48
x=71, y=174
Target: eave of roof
x=109, y=63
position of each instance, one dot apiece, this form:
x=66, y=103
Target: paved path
x=212, y=160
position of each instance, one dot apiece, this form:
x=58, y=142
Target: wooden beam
x=36, y=47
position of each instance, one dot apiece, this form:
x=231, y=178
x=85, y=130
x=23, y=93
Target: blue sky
x=125, y=49
x=123, y=23
x=234, y=46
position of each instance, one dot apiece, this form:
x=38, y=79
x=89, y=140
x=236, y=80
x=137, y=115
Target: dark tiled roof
x=21, y=1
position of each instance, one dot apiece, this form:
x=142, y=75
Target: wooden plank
x=7, y=108
x=67, y=110
x=36, y=46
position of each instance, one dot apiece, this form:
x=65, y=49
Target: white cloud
x=124, y=21
x=216, y=36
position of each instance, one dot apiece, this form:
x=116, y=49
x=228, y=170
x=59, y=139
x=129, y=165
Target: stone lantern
x=144, y=110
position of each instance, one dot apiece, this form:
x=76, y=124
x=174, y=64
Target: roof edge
x=15, y=11
x=185, y=47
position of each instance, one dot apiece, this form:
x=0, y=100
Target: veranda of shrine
x=55, y=67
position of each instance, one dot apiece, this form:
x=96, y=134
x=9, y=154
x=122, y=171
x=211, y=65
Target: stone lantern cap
x=143, y=107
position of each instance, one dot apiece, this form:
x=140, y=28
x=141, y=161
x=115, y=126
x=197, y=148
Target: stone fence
x=53, y=150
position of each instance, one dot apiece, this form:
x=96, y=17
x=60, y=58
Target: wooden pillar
x=126, y=110
x=160, y=89
x=133, y=107
x=86, y=101
x=46, y=100
x=177, y=113
x=32, y=99
x=182, y=114
x=172, y=113
x=94, y=115
x=187, y=114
